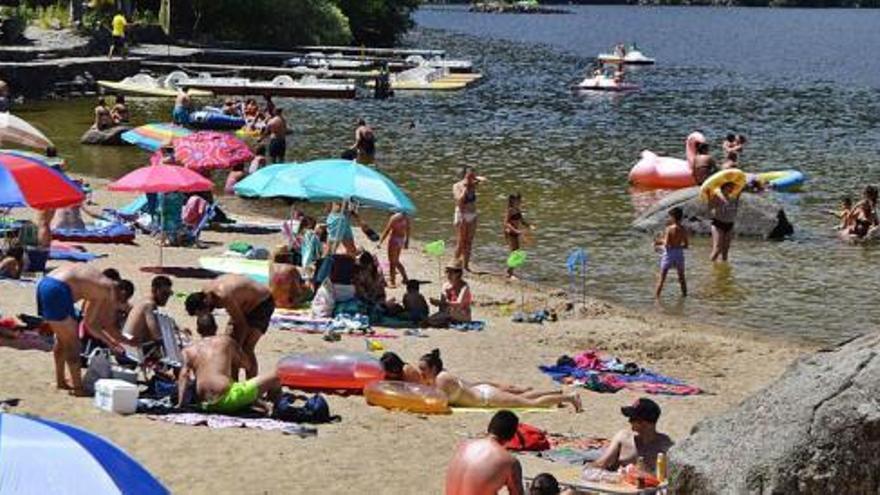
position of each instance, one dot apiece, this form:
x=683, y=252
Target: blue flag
x=576, y=261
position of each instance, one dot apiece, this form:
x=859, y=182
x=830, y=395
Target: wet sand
x=372, y=449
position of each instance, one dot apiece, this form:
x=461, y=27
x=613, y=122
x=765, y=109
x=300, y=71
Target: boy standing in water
x=674, y=242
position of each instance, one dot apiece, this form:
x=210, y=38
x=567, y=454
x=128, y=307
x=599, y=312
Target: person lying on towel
x=210, y=362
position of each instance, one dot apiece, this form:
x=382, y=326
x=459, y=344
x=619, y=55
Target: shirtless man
x=182, y=108
x=249, y=305
x=364, y=143
x=704, y=164
x=641, y=440
x=276, y=128
x=57, y=293
x=119, y=112
x=213, y=362
x=103, y=120
x=484, y=466
x=142, y=326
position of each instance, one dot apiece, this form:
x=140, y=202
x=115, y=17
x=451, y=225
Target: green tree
x=275, y=23
x=378, y=22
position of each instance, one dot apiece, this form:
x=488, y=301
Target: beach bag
x=314, y=411
x=99, y=368
x=324, y=302
x=528, y=438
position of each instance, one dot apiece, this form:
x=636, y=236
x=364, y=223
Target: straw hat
x=455, y=266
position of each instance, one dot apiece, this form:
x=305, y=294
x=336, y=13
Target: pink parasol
x=208, y=150
x=161, y=179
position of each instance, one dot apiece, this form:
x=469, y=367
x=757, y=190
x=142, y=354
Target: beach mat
x=257, y=270
x=222, y=421
x=71, y=255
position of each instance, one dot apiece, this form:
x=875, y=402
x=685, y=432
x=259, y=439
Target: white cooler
x=116, y=396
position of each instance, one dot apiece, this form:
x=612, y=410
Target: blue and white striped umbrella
x=44, y=457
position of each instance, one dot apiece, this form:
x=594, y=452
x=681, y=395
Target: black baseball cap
x=644, y=409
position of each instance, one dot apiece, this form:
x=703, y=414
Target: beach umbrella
x=161, y=179
x=151, y=137
x=29, y=181
x=14, y=130
x=39, y=456
x=208, y=150
x=275, y=181
x=343, y=180
x=54, y=161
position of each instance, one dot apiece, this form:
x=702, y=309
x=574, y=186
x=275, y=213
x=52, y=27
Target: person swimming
x=488, y=394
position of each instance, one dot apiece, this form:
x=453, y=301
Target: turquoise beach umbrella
x=274, y=181
x=328, y=180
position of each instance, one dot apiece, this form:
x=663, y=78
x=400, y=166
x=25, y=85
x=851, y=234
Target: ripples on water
x=805, y=100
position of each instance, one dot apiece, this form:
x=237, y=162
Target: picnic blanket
x=221, y=421
x=598, y=373
x=115, y=233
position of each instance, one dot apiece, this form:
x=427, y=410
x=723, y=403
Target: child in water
x=513, y=225
x=674, y=241
x=845, y=214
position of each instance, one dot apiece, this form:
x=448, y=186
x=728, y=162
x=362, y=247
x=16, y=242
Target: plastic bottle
x=661, y=467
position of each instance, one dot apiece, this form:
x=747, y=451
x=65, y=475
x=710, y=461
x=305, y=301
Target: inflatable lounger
x=116, y=233
x=212, y=119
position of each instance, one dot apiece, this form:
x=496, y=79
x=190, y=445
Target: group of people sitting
x=859, y=221
x=485, y=465
x=107, y=117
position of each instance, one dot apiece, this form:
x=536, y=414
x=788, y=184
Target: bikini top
x=470, y=196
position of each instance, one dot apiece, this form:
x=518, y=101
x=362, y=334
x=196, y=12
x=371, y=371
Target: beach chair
x=159, y=357
x=191, y=236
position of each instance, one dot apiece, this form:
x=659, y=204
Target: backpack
x=315, y=410
x=528, y=438
x=99, y=368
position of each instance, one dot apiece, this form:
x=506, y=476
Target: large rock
x=815, y=431
x=757, y=216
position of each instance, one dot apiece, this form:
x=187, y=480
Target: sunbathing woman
x=396, y=369
x=487, y=394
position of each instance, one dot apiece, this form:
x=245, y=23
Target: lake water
x=803, y=85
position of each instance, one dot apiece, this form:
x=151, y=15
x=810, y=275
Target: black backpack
x=314, y=411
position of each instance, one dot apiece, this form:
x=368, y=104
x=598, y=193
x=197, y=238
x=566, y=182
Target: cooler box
x=125, y=375
x=116, y=396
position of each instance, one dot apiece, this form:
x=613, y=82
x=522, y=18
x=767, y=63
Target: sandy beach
x=375, y=450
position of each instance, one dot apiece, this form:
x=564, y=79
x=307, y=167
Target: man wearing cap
x=641, y=440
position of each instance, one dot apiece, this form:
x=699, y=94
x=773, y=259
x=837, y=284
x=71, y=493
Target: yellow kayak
x=142, y=90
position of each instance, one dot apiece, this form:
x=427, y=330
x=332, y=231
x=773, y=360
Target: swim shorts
x=237, y=398
x=722, y=226
x=277, y=149
x=180, y=115
x=119, y=42
x=54, y=300
x=673, y=257
x=261, y=315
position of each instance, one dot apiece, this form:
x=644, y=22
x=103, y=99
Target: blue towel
x=471, y=326
x=65, y=255
x=114, y=232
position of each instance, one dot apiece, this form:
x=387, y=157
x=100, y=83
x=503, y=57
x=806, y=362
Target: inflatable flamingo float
x=663, y=172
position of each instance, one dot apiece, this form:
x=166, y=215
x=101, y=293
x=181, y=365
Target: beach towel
x=78, y=256
x=609, y=375
x=220, y=421
x=115, y=233
x=28, y=340
x=493, y=410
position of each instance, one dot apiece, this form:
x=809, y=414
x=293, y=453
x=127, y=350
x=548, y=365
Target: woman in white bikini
x=465, y=219
x=487, y=394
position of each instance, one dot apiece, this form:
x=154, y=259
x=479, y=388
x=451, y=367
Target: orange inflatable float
x=405, y=396
x=342, y=371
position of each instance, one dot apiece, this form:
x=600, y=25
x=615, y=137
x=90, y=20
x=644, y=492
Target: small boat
x=146, y=85
x=281, y=86
x=632, y=56
x=604, y=82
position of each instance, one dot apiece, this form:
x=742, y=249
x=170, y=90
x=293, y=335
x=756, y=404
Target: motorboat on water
x=628, y=56
x=281, y=86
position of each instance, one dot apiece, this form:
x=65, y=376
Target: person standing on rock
x=640, y=441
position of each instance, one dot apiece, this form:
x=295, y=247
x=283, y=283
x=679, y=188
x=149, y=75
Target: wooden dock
x=40, y=77
x=257, y=71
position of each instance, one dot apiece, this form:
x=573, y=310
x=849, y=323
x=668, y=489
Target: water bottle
x=661, y=467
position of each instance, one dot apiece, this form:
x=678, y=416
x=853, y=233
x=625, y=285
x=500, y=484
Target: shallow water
x=802, y=84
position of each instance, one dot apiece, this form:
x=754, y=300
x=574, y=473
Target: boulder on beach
x=108, y=137
x=815, y=431
x=757, y=215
